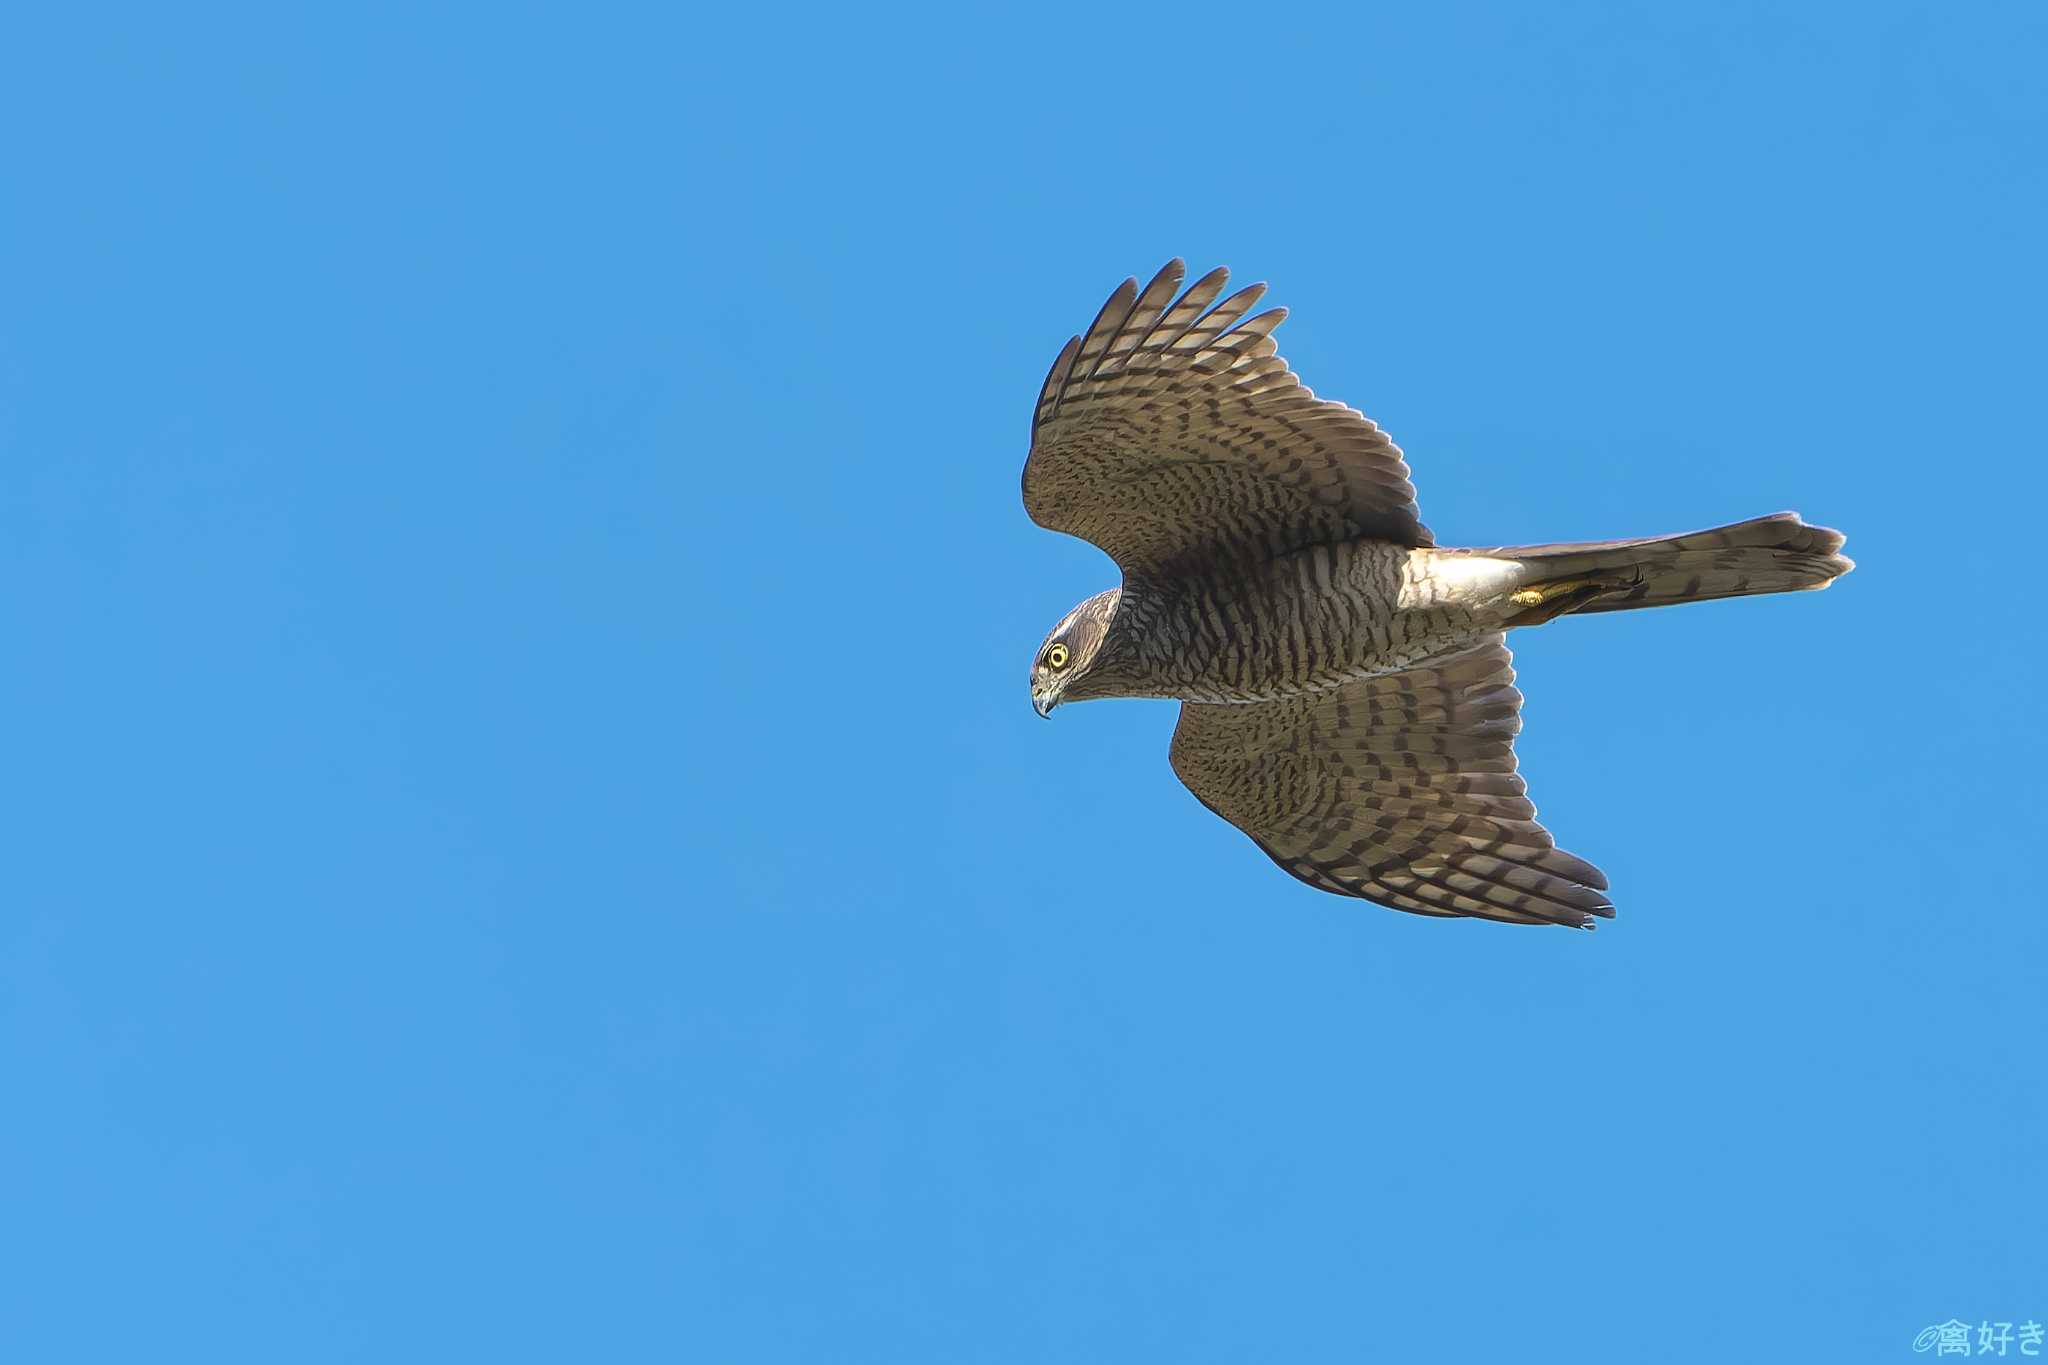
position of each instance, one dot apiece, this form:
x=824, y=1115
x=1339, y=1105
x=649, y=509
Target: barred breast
x=1309, y=621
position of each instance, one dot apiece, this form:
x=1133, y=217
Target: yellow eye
x=1056, y=657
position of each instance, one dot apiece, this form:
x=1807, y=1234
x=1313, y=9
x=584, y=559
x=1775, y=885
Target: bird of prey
x=1346, y=695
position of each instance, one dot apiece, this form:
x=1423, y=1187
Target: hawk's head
x=1060, y=671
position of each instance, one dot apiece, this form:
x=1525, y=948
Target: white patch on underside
x=1436, y=579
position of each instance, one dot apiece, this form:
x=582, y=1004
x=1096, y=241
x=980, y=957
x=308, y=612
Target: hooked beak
x=1043, y=706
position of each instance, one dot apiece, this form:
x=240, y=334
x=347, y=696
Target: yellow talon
x=1549, y=592
x=1542, y=602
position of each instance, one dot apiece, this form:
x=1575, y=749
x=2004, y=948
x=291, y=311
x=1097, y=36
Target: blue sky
x=528, y=840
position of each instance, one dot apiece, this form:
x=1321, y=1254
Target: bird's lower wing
x=1400, y=790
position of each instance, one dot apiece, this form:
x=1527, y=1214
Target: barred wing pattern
x=1172, y=432
x=1398, y=789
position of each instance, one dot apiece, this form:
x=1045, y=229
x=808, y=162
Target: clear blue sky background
x=525, y=835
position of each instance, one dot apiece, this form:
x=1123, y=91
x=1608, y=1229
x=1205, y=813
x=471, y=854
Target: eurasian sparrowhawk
x=1346, y=696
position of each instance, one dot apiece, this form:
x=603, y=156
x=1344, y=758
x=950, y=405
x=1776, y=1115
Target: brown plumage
x=1347, y=697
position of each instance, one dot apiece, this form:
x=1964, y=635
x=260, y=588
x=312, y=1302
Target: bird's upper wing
x=1398, y=789
x=1172, y=429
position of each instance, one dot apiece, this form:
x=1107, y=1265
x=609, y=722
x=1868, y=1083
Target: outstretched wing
x=1173, y=430
x=1399, y=789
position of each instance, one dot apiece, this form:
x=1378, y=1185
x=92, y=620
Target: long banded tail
x=1778, y=553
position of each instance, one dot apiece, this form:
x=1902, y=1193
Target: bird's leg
x=1540, y=602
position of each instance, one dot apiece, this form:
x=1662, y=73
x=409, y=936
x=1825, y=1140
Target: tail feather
x=1778, y=553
